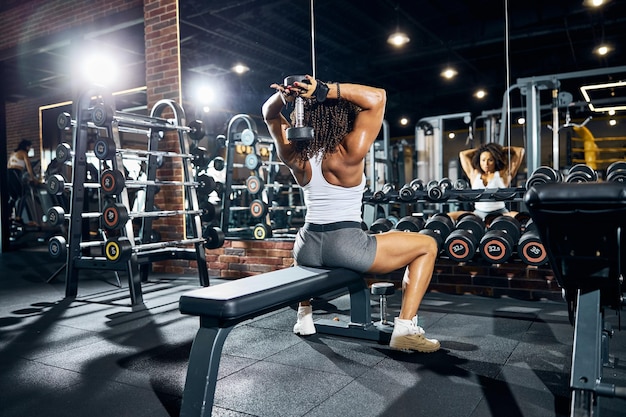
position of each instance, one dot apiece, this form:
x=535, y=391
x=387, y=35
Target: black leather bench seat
x=241, y=299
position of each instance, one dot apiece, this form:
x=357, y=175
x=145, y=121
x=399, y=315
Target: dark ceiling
x=273, y=38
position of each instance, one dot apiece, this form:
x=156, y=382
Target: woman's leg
x=418, y=253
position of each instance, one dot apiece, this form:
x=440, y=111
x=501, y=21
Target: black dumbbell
x=498, y=243
x=441, y=224
x=439, y=190
x=410, y=224
x=383, y=224
x=408, y=191
x=435, y=235
x=581, y=173
x=461, y=184
x=384, y=193
x=462, y=243
x=529, y=247
x=543, y=175
x=616, y=172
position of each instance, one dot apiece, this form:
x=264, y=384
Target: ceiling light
x=449, y=73
x=594, y=3
x=602, y=50
x=480, y=94
x=612, y=122
x=451, y=135
x=240, y=68
x=404, y=121
x=608, y=96
x=398, y=39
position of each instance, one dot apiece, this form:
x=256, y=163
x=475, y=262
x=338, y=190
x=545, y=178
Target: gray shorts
x=483, y=214
x=335, y=245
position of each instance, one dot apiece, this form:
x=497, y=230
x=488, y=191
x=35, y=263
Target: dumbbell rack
x=138, y=265
x=263, y=228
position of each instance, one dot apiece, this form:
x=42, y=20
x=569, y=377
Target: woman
x=487, y=167
x=346, y=119
x=18, y=162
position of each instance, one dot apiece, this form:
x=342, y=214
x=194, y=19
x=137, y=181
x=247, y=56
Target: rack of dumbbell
x=120, y=247
x=264, y=202
x=493, y=241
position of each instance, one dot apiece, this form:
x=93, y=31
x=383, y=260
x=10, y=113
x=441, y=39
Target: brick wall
x=242, y=258
x=163, y=81
x=38, y=18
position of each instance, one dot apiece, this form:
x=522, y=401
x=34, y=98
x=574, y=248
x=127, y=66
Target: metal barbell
x=116, y=215
x=113, y=182
x=102, y=114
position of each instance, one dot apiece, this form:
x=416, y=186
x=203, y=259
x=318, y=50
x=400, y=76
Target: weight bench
x=582, y=226
x=221, y=307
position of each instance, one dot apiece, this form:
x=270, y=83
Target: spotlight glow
x=602, y=50
x=240, y=68
x=479, y=94
x=398, y=39
x=99, y=69
x=449, y=73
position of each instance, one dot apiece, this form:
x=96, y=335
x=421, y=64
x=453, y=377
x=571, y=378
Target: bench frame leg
x=202, y=369
x=360, y=325
x=589, y=355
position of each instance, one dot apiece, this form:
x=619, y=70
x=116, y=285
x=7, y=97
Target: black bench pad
x=235, y=301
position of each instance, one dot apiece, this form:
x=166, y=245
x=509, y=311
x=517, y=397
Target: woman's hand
x=287, y=92
x=306, y=89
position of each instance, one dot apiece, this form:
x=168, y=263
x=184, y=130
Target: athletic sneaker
x=304, y=326
x=407, y=335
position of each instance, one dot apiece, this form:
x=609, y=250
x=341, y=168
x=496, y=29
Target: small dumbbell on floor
x=383, y=290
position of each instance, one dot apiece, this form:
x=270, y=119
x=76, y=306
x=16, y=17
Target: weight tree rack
x=263, y=195
x=137, y=267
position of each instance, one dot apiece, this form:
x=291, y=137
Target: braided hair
x=496, y=150
x=331, y=121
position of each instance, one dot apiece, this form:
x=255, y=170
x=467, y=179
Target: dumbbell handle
x=56, y=214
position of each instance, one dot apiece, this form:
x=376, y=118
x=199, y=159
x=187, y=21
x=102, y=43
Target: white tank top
x=328, y=203
x=495, y=182
x=15, y=162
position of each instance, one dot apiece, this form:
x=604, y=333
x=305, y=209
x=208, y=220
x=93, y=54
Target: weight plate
x=252, y=162
x=254, y=184
x=261, y=231
x=112, y=182
x=55, y=184
x=114, y=216
x=63, y=152
x=56, y=215
x=214, y=237
x=57, y=246
x=258, y=209
x=248, y=137
x=531, y=250
x=460, y=246
x=64, y=120
x=101, y=115
x=296, y=134
x=112, y=251
x=196, y=130
x=104, y=148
